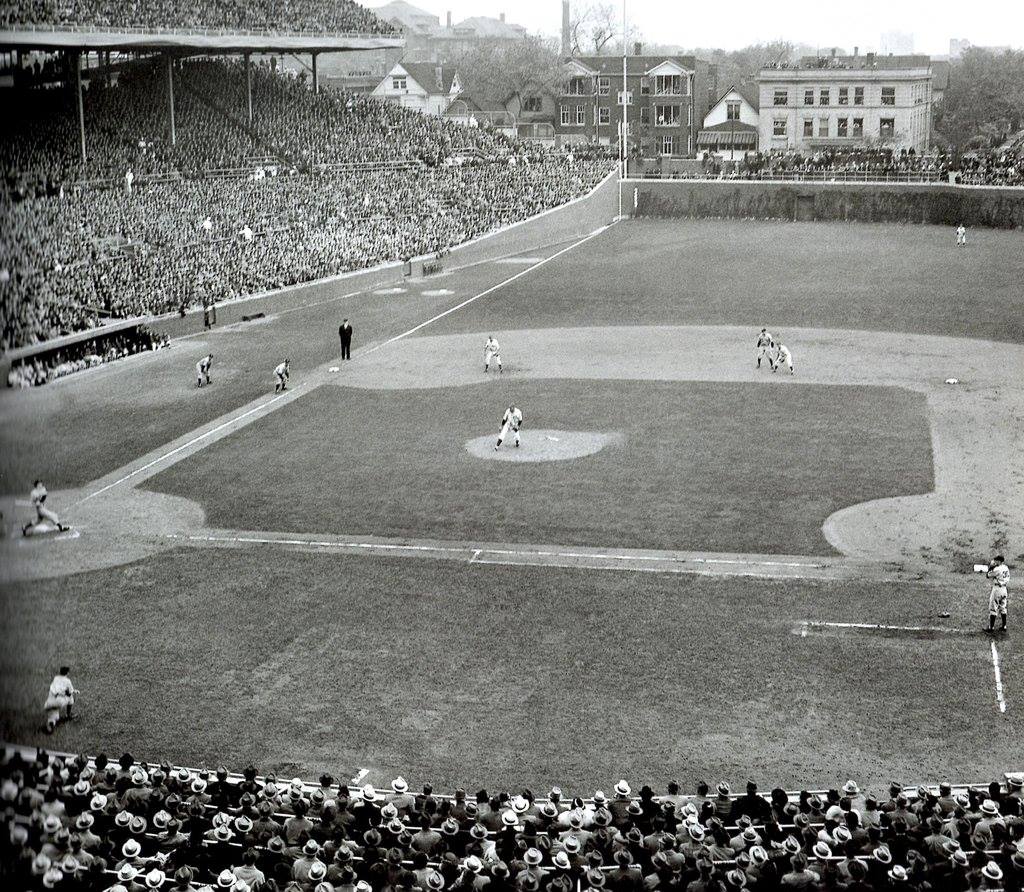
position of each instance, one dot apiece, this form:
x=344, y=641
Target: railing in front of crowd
x=804, y=176
x=202, y=31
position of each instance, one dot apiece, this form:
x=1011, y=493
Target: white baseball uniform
x=281, y=373
x=764, y=346
x=782, y=355
x=961, y=236
x=512, y=420
x=492, y=351
x=1000, y=576
x=203, y=370
x=38, y=496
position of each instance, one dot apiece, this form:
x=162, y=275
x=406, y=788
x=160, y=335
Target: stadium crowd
x=977, y=168
x=41, y=369
x=361, y=182
x=128, y=826
x=279, y=16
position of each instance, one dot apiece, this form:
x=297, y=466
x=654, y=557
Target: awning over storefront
x=737, y=139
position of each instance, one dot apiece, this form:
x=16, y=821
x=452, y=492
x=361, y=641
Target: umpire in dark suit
x=345, y=334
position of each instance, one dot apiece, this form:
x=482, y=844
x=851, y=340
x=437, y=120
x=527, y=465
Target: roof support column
x=170, y=98
x=77, y=60
x=248, y=86
x=316, y=75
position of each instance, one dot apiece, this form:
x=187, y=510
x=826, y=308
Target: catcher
x=512, y=420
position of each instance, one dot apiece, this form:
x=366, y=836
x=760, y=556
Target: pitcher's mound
x=543, y=445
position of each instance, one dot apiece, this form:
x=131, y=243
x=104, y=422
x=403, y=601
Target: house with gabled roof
x=731, y=124
x=421, y=86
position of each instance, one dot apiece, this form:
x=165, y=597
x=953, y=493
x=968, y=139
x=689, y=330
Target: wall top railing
x=71, y=28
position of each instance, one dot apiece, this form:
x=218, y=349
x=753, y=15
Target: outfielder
x=764, y=345
x=999, y=573
x=43, y=514
x=281, y=374
x=512, y=420
x=961, y=236
x=492, y=351
x=782, y=355
x=203, y=369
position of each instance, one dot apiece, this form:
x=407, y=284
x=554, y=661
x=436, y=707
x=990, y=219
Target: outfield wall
x=941, y=204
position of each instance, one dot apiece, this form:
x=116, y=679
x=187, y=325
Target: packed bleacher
x=977, y=168
x=279, y=16
x=76, y=823
x=316, y=186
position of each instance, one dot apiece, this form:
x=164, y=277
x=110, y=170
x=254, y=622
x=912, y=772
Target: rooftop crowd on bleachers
x=78, y=824
x=977, y=168
x=282, y=16
x=71, y=256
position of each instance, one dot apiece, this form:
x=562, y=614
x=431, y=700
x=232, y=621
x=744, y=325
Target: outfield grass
x=881, y=277
x=699, y=469
x=463, y=674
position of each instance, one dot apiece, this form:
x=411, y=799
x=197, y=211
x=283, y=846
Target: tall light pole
x=623, y=145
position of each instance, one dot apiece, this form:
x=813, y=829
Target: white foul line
x=187, y=445
x=487, y=291
x=359, y=777
x=879, y=627
x=999, y=679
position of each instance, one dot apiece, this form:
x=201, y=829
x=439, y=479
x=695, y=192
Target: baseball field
x=691, y=567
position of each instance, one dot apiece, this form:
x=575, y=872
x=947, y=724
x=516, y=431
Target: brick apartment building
x=847, y=101
x=668, y=95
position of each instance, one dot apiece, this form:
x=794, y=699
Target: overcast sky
x=736, y=23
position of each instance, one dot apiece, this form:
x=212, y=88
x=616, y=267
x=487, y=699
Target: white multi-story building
x=851, y=101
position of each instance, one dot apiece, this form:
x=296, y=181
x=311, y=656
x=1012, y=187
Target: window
x=781, y=97
x=666, y=115
x=645, y=114
x=808, y=127
x=858, y=95
x=566, y=115
x=604, y=115
x=822, y=126
x=581, y=114
x=842, y=127
x=532, y=104
x=888, y=95
x=844, y=95
x=667, y=145
x=779, y=127
x=732, y=111
x=886, y=128
x=399, y=82
x=823, y=96
x=604, y=86
x=668, y=85
x=858, y=127
x=645, y=86
x=578, y=86
x=809, y=97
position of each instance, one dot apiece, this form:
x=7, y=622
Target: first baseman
x=999, y=573
x=203, y=369
x=512, y=420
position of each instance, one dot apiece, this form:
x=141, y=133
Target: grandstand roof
x=87, y=37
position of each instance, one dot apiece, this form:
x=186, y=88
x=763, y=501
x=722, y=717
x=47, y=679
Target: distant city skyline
x=929, y=23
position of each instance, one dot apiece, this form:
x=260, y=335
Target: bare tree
x=597, y=28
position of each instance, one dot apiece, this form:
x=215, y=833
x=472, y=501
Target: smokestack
x=855, y=50
x=449, y=19
x=501, y=16
x=566, y=46
x=833, y=52
x=638, y=49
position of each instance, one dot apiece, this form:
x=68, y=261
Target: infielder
x=281, y=374
x=43, y=514
x=999, y=573
x=203, y=369
x=512, y=420
x=60, y=699
x=492, y=351
x=782, y=355
x=961, y=236
x=765, y=343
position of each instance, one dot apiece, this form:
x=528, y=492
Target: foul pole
x=623, y=145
